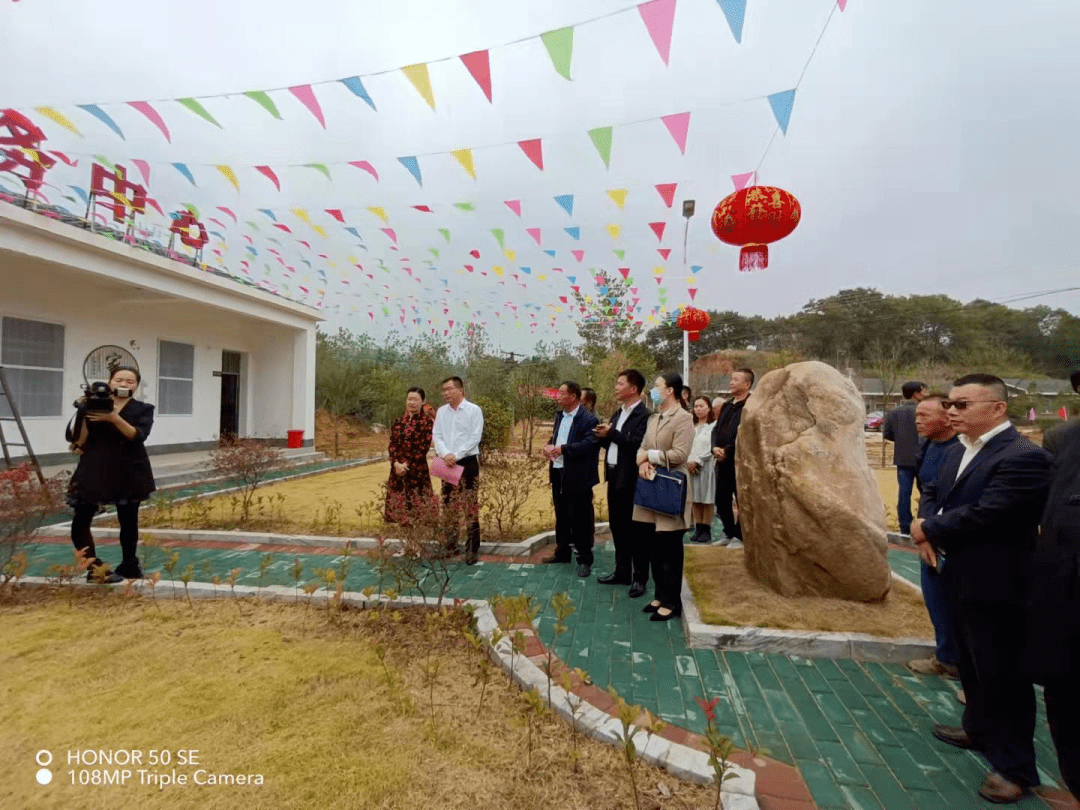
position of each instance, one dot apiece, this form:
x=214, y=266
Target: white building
x=215, y=355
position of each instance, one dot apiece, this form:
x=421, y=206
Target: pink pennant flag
x=659, y=17
x=306, y=96
x=667, y=192
x=678, y=125
x=227, y=211
x=513, y=205
x=479, y=68
x=534, y=151
x=336, y=214
x=217, y=222
x=145, y=108
x=578, y=254
x=144, y=169
x=659, y=280
x=281, y=227
x=534, y=233
x=154, y=204
x=305, y=244
x=390, y=232
x=266, y=171
x=633, y=290
x=665, y=252
x=693, y=292
x=73, y=163
x=740, y=180
x=625, y=272
x=367, y=167
x=658, y=229
x=842, y=4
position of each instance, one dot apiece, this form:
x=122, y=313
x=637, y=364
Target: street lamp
x=687, y=212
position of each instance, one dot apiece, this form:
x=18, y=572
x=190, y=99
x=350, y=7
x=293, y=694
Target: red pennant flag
x=479, y=67
x=281, y=227
x=268, y=172
x=474, y=253
x=423, y=208
x=658, y=229
x=692, y=292
x=665, y=252
x=667, y=192
x=336, y=214
x=534, y=151
x=1063, y=412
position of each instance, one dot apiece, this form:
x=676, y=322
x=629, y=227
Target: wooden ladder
x=13, y=406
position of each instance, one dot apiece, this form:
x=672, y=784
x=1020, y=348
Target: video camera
x=97, y=399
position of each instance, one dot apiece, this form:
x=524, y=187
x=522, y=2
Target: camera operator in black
x=113, y=468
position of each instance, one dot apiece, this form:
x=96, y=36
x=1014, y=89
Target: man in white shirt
x=982, y=510
x=459, y=425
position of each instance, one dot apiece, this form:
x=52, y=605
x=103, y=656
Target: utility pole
x=687, y=212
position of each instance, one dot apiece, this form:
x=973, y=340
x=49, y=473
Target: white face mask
x=123, y=393
x=656, y=395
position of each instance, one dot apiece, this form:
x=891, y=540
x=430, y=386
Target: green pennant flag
x=264, y=101
x=252, y=224
x=620, y=252
x=199, y=110
x=434, y=252
x=560, y=46
x=499, y=236
x=446, y=234
x=601, y=138
x=465, y=206
x=104, y=162
x=321, y=167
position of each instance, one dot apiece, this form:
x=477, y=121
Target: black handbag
x=665, y=493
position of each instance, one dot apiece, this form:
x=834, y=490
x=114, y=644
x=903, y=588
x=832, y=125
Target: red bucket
x=296, y=438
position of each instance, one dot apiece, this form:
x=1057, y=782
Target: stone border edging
x=802, y=643
x=680, y=760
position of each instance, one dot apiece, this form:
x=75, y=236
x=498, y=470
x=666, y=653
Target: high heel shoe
x=660, y=617
x=651, y=608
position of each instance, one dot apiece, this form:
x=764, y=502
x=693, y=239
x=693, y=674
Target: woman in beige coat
x=668, y=439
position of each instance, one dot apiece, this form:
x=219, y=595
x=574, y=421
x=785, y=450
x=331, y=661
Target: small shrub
x=507, y=482
x=248, y=463
x=24, y=503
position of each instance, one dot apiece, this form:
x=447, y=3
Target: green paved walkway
x=858, y=733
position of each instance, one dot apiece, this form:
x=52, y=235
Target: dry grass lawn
x=274, y=689
x=726, y=594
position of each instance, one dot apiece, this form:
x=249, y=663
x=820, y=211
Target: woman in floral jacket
x=410, y=481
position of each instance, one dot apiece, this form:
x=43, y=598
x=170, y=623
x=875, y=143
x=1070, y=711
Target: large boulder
x=812, y=517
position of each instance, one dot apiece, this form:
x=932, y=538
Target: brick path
x=855, y=735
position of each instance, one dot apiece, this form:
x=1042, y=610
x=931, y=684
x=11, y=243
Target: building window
x=32, y=354
x=176, y=377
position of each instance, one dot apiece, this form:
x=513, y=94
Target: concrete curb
x=680, y=760
x=801, y=643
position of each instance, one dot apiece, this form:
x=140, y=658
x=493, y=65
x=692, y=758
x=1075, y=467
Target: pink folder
x=451, y=475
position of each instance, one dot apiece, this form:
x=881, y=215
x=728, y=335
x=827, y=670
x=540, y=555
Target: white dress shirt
x=613, y=449
x=972, y=448
x=458, y=430
x=564, y=434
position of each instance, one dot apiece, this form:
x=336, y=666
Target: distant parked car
x=874, y=420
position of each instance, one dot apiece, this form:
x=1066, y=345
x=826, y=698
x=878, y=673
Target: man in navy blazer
x=982, y=513
x=574, y=456
x=622, y=437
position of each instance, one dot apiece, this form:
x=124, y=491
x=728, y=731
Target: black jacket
x=899, y=427
x=580, y=453
x=990, y=521
x=726, y=429
x=628, y=440
x=111, y=467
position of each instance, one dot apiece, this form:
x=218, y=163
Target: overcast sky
x=932, y=146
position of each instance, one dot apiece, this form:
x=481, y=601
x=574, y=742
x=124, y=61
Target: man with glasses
x=982, y=513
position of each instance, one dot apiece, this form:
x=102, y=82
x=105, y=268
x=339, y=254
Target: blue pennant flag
x=567, y=203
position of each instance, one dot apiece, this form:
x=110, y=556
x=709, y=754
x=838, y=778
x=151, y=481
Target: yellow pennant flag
x=229, y=175
x=421, y=80
x=301, y=215
x=465, y=158
x=509, y=254
x=378, y=211
x=614, y=230
x=59, y=118
x=497, y=270
x=542, y=278
x=658, y=270
x=618, y=196
x=319, y=230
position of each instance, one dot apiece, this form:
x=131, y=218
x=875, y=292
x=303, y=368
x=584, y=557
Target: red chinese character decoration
x=752, y=218
x=23, y=149
x=182, y=223
x=117, y=199
x=693, y=320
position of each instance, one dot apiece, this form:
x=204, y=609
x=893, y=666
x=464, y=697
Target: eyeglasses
x=962, y=404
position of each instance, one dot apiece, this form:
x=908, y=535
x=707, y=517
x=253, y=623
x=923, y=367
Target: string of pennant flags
x=657, y=16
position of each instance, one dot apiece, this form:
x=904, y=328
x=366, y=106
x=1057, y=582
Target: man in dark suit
x=1054, y=437
x=574, y=455
x=724, y=434
x=622, y=437
x=982, y=512
x=1053, y=654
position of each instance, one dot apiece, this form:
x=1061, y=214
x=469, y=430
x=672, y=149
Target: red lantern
x=753, y=217
x=693, y=321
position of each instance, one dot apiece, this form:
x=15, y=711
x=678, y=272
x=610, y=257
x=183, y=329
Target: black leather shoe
x=954, y=735
x=650, y=608
x=613, y=579
x=132, y=571
x=660, y=617
x=472, y=559
x=636, y=590
x=996, y=788
x=100, y=574
x=584, y=570
x=554, y=559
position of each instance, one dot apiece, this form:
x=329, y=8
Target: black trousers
x=1000, y=711
x=631, y=555
x=128, y=515
x=667, y=563
x=725, y=491
x=1063, y=715
x=575, y=521
x=465, y=500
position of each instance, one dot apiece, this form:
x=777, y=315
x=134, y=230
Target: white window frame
x=162, y=402
x=63, y=342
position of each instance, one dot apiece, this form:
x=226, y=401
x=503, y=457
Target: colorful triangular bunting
x=420, y=78
x=560, y=46
x=659, y=17
x=479, y=67
x=413, y=166
x=567, y=203
x=735, y=12
x=781, y=104
x=357, y=88
x=306, y=96
x=601, y=138
x=667, y=192
x=533, y=149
